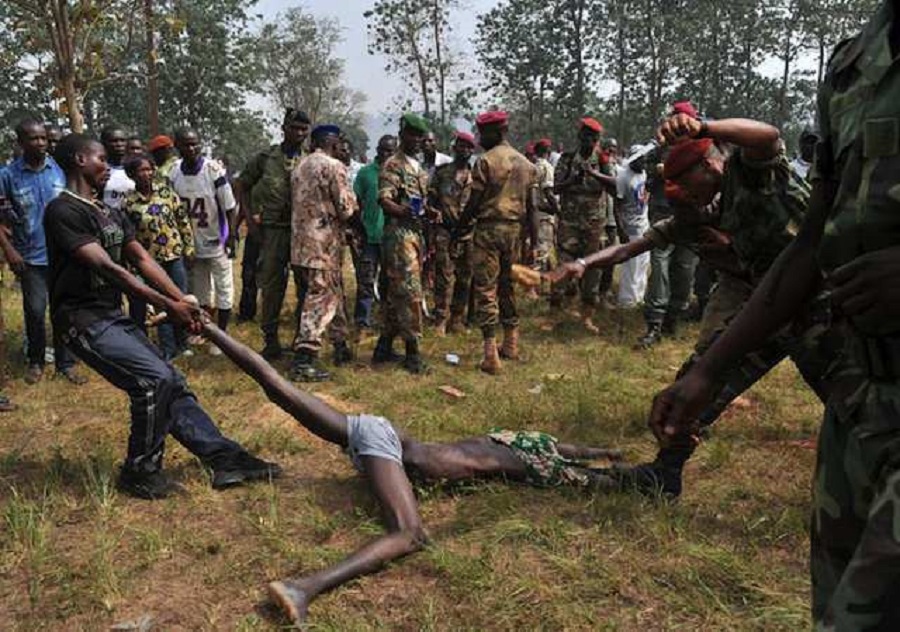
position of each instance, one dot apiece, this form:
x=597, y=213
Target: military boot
x=510, y=348
x=670, y=325
x=651, y=338
x=384, y=351
x=456, y=325
x=342, y=353
x=662, y=477
x=306, y=368
x=413, y=361
x=491, y=363
x=272, y=349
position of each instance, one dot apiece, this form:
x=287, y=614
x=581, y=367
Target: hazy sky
x=366, y=72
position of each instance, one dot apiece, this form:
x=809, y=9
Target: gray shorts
x=368, y=435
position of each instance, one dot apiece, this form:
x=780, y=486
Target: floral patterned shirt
x=161, y=223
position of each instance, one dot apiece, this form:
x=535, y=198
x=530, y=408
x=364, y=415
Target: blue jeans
x=161, y=402
x=366, y=265
x=34, y=305
x=172, y=339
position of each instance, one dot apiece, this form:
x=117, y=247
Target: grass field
x=731, y=555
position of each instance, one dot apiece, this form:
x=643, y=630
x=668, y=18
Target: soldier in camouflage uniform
x=323, y=203
x=448, y=193
x=852, y=235
x=737, y=214
x=402, y=193
x=265, y=192
x=504, y=197
x=583, y=212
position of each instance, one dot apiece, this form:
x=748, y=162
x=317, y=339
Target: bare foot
x=291, y=598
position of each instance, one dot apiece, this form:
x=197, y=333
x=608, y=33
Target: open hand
x=568, y=270
x=868, y=291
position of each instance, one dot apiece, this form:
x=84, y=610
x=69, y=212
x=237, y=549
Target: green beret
x=414, y=122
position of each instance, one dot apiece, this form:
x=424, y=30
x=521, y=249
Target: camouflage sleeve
x=561, y=170
x=252, y=172
x=823, y=162
x=390, y=183
x=341, y=193
x=661, y=233
x=481, y=174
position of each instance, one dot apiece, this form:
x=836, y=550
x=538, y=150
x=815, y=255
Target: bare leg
x=312, y=413
x=478, y=457
x=406, y=535
x=587, y=453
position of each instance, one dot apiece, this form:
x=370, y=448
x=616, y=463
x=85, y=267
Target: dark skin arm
x=785, y=289
x=758, y=141
x=470, y=213
x=172, y=302
x=13, y=258
x=394, y=209
x=613, y=255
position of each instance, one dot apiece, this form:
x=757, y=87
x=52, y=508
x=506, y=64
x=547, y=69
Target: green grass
x=75, y=555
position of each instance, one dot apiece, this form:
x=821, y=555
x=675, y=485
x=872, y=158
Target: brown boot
x=510, y=348
x=455, y=326
x=587, y=319
x=491, y=363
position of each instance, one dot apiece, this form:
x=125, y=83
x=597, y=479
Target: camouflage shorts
x=545, y=466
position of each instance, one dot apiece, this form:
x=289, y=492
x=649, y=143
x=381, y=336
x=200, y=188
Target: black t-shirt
x=79, y=296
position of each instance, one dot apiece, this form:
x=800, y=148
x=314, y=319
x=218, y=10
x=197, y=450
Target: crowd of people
x=788, y=258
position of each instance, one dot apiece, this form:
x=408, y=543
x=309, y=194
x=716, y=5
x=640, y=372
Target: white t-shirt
x=439, y=159
x=118, y=186
x=207, y=195
x=801, y=167
x=631, y=189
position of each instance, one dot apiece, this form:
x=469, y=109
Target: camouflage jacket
x=505, y=177
x=400, y=178
x=267, y=177
x=759, y=212
x=587, y=201
x=859, y=114
x=449, y=190
x=322, y=203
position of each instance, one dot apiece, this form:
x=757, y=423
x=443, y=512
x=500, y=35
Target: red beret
x=544, y=142
x=159, y=142
x=685, y=155
x=465, y=137
x=592, y=124
x=685, y=107
x=492, y=117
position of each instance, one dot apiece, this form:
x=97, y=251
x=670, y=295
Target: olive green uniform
x=450, y=188
x=855, y=539
x=268, y=179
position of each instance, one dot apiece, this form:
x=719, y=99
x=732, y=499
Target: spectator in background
x=115, y=140
x=54, y=135
x=431, y=157
x=802, y=163
x=164, y=155
x=134, y=147
x=631, y=192
x=27, y=186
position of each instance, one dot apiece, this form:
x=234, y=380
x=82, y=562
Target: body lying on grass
x=386, y=456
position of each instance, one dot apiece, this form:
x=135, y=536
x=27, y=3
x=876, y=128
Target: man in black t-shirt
x=88, y=246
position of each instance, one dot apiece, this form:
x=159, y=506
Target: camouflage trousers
x=855, y=526
x=496, y=248
x=546, y=242
x=323, y=308
x=452, y=274
x=573, y=241
x=811, y=347
x=403, y=251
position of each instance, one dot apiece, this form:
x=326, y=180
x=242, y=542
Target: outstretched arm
x=311, y=412
x=605, y=258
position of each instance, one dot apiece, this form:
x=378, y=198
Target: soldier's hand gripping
x=564, y=271
x=868, y=291
x=673, y=418
x=677, y=129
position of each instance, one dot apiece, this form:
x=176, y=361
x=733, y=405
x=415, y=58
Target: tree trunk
x=437, y=19
x=620, y=71
x=152, y=72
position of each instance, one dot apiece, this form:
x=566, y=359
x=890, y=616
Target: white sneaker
x=214, y=350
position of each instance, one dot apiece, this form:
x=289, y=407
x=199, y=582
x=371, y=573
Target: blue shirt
x=24, y=195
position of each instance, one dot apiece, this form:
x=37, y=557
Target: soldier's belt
x=878, y=356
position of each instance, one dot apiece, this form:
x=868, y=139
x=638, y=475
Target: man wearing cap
x=402, y=193
x=323, y=203
x=548, y=206
x=162, y=148
x=504, y=197
x=448, y=193
x=264, y=187
x=737, y=213
x=584, y=208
